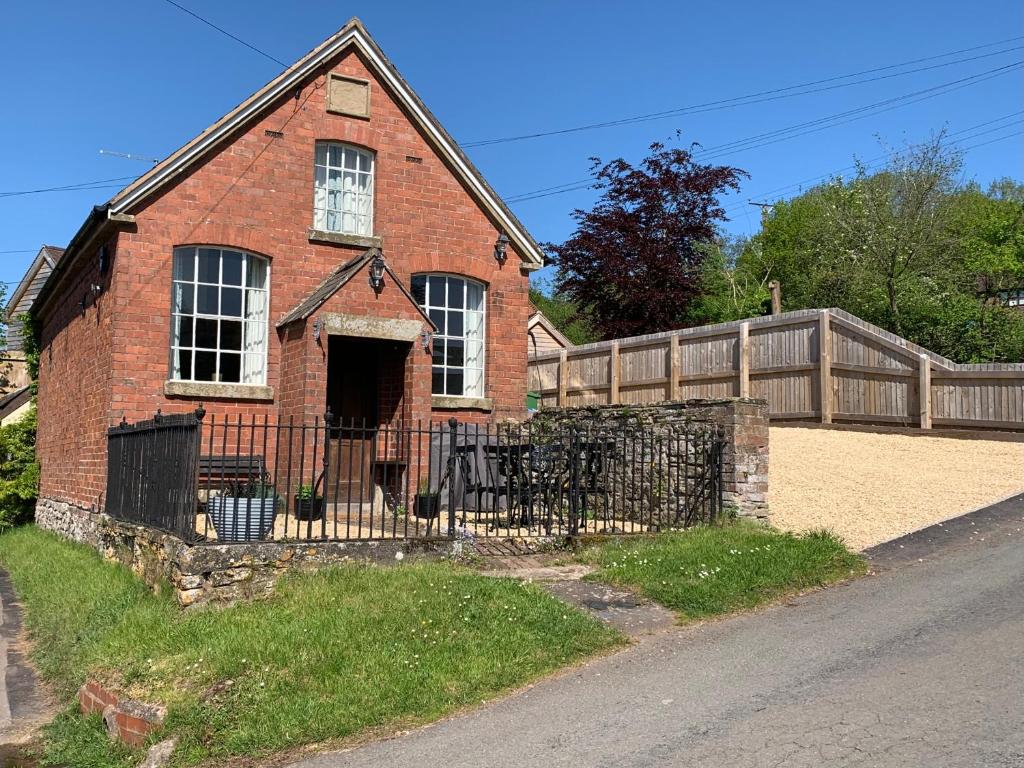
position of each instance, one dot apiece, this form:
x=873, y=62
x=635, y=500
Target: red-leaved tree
x=634, y=261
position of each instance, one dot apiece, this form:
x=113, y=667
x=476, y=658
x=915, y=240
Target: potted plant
x=308, y=506
x=244, y=511
x=427, y=504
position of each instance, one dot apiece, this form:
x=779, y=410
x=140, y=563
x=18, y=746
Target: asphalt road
x=919, y=665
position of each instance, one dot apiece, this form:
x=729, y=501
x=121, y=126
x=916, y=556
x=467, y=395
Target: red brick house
x=325, y=244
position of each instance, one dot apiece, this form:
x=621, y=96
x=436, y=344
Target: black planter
x=309, y=509
x=427, y=506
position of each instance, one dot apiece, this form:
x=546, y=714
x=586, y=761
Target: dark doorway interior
x=353, y=387
x=365, y=390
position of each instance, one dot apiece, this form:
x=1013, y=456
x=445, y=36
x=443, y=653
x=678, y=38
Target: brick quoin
x=105, y=353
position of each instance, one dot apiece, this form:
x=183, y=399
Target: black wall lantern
x=377, y=273
x=500, y=248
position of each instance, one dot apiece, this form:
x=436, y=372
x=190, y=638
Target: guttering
x=100, y=222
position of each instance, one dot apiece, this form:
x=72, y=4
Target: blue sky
x=142, y=77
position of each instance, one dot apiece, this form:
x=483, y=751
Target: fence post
x=563, y=373
x=674, y=368
x=924, y=386
x=613, y=374
x=453, y=425
x=825, y=365
x=744, y=354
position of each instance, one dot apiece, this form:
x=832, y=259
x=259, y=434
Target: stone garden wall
x=218, y=572
x=651, y=476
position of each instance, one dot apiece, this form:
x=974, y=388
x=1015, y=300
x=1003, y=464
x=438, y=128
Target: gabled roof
x=33, y=279
x=28, y=290
x=352, y=35
x=12, y=401
x=336, y=280
x=539, y=318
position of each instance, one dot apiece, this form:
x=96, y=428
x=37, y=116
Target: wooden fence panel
x=869, y=375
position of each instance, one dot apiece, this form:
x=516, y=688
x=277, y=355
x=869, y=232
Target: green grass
x=333, y=654
x=701, y=572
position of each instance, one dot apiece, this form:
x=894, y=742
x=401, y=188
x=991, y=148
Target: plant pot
x=427, y=506
x=240, y=518
x=309, y=509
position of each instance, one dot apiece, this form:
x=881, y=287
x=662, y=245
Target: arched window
x=343, y=189
x=456, y=306
x=219, y=313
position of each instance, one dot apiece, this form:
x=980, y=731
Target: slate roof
x=24, y=296
x=338, y=278
x=327, y=288
x=12, y=401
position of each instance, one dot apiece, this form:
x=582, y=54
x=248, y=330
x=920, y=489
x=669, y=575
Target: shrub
x=19, y=471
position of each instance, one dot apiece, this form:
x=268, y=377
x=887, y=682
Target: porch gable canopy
x=358, y=325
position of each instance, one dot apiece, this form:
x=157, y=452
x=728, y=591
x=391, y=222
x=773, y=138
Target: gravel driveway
x=871, y=488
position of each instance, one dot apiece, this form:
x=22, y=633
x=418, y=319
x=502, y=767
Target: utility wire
x=70, y=187
x=223, y=31
x=755, y=98
x=795, y=131
x=870, y=164
x=875, y=160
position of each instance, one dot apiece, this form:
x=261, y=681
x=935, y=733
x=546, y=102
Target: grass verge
x=333, y=654
x=702, y=572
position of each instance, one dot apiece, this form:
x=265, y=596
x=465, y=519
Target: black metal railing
x=151, y=472
x=226, y=480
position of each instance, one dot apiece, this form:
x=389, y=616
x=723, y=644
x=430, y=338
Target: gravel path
x=870, y=488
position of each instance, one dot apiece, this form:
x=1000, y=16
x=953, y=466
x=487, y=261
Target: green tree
x=729, y=292
x=989, y=233
x=19, y=471
x=909, y=248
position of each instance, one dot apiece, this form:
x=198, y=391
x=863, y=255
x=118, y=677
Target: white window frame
x=253, y=355
x=430, y=302
x=355, y=163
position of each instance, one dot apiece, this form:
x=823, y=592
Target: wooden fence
x=867, y=374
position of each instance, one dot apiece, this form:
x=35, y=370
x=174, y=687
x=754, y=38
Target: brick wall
x=256, y=194
x=75, y=372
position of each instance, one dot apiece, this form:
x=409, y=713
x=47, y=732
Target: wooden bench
x=232, y=466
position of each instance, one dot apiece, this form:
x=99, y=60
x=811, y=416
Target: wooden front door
x=353, y=383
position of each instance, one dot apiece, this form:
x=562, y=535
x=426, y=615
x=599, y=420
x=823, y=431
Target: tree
x=989, y=233
x=729, y=292
x=19, y=470
x=895, y=223
x=634, y=263
x=910, y=248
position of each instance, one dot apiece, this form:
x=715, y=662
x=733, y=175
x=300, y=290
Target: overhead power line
x=223, y=31
x=876, y=162
x=799, y=129
x=763, y=96
x=97, y=184
x=870, y=163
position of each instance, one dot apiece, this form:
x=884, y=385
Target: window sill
x=451, y=402
x=218, y=390
x=337, y=238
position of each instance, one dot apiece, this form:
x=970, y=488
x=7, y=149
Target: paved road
x=919, y=665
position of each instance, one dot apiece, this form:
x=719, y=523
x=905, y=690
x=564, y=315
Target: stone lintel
x=363, y=326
